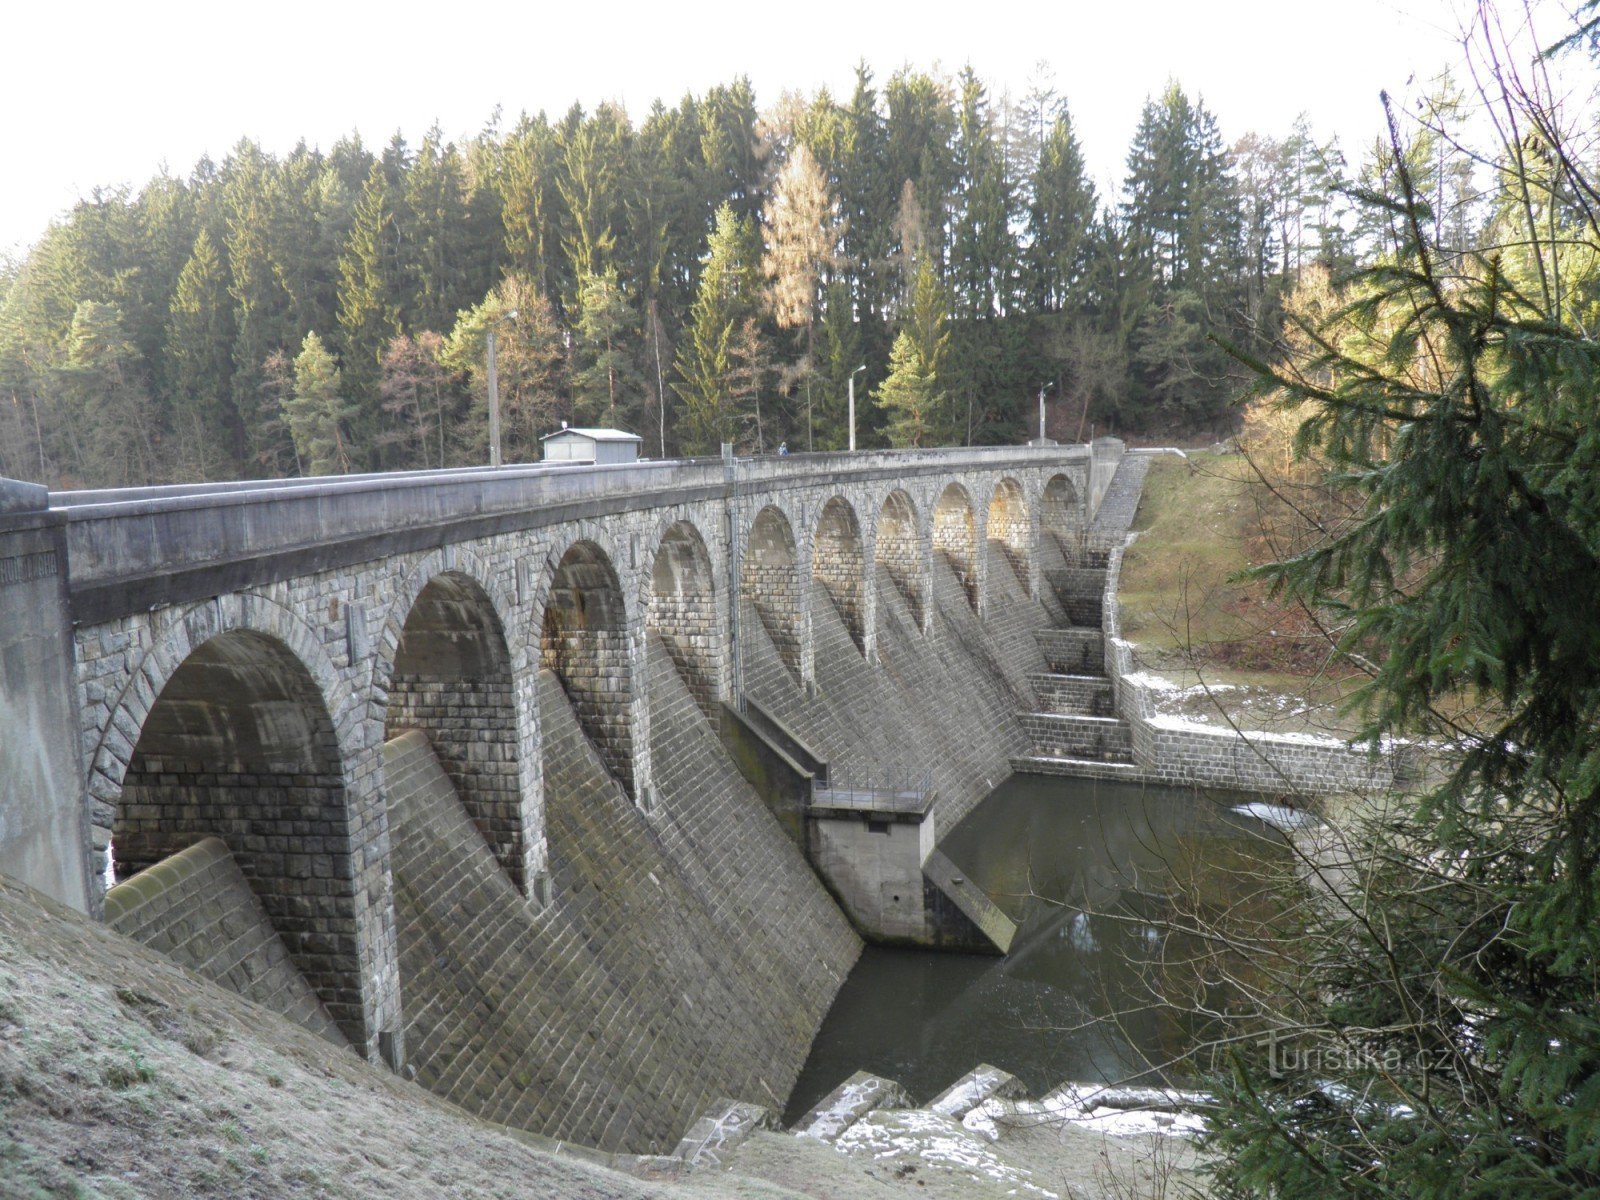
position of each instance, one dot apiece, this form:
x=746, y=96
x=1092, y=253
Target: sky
x=102, y=94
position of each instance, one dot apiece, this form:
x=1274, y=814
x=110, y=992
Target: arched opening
x=897, y=551
x=452, y=680
x=1008, y=530
x=239, y=746
x=769, y=578
x=683, y=610
x=839, y=565
x=955, y=538
x=584, y=642
x=1059, y=515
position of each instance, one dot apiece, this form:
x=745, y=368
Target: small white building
x=600, y=446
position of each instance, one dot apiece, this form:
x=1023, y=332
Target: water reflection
x=1098, y=875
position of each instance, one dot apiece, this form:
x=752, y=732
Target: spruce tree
x=318, y=414
x=368, y=320
x=205, y=422
x=727, y=296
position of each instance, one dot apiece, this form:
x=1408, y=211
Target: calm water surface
x=1090, y=870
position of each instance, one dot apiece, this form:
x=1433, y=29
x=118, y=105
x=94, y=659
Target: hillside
x=124, y=1076
x=1229, y=649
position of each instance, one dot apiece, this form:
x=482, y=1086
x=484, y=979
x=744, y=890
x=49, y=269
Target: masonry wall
x=472, y=726
x=687, y=955
x=197, y=908
x=1172, y=750
x=947, y=700
x=291, y=834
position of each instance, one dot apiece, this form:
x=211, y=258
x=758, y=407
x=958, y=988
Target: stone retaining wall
x=1172, y=750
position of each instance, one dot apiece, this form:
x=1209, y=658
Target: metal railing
x=878, y=780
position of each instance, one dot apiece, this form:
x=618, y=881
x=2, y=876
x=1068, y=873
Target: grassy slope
x=122, y=1075
x=1194, y=623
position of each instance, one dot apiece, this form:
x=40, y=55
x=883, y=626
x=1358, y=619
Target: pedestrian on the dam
x=783, y=449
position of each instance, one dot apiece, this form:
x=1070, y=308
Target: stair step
x=1068, y=735
x=1074, y=695
x=982, y=1083
x=720, y=1128
x=1080, y=768
x=848, y=1103
x=1079, y=651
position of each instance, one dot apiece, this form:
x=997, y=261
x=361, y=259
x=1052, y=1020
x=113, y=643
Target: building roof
x=596, y=435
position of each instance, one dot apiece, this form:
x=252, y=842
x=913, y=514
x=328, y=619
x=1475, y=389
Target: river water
x=1095, y=873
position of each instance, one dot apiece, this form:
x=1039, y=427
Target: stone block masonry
x=336, y=612
x=197, y=908
x=472, y=727
x=686, y=956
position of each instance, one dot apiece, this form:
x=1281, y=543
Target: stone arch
x=838, y=563
x=1008, y=528
x=955, y=537
x=1060, y=510
x=584, y=641
x=683, y=611
x=452, y=678
x=899, y=551
x=239, y=743
x=769, y=578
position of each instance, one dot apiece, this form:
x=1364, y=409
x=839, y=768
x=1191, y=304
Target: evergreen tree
x=604, y=384
x=1060, y=216
x=909, y=395
x=526, y=186
x=982, y=251
x=317, y=414
x=727, y=297
x=436, y=255
x=368, y=321
x=263, y=311
x=205, y=422
x=109, y=411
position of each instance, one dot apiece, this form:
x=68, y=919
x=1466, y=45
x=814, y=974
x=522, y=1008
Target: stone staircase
x=978, y=1138
x=1075, y=730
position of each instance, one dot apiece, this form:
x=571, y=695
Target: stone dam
x=570, y=793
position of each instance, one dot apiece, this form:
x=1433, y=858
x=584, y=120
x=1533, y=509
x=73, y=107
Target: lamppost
x=853, y=375
x=494, y=390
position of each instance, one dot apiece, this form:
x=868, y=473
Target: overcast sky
x=97, y=93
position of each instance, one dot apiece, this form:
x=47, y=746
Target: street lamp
x=494, y=390
x=853, y=375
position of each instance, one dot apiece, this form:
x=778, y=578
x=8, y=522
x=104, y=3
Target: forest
x=713, y=273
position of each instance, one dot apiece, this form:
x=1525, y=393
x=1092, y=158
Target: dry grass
x=1197, y=623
